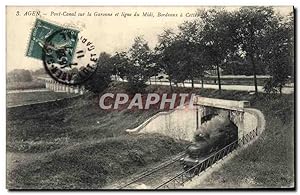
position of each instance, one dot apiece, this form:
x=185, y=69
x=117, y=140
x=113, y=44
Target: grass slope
x=35, y=84
x=84, y=147
x=13, y=99
x=38, y=129
x=91, y=165
x=74, y=144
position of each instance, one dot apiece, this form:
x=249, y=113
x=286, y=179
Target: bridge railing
x=187, y=175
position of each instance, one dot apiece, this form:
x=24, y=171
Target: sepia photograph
x=150, y=98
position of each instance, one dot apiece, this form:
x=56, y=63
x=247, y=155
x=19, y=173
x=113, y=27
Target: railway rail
x=180, y=177
x=154, y=170
x=187, y=175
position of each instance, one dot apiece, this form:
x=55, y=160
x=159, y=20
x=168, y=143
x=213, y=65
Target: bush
x=19, y=75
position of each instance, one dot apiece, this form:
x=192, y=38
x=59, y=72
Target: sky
x=108, y=33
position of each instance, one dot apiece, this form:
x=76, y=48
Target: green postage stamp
x=56, y=46
x=41, y=31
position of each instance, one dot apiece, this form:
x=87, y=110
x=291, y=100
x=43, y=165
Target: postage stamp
x=41, y=31
x=59, y=61
x=57, y=47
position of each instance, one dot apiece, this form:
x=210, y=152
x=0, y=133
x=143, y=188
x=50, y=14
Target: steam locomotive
x=220, y=132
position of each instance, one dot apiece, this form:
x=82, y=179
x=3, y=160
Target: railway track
x=149, y=179
x=206, y=162
x=163, y=174
x=170, y=175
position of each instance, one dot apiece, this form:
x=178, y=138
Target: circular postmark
x=68, y=58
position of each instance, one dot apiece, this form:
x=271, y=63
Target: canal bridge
x=55, y=86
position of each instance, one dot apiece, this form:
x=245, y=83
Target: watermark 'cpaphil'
x=138, y=101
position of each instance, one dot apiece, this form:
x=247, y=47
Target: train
x=213, y=135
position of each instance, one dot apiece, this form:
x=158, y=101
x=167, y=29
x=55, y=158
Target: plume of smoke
x=210, y=127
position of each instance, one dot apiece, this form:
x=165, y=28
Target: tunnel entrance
x=216, y=121
x=215, y=132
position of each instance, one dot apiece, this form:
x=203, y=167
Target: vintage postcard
x=150, y=97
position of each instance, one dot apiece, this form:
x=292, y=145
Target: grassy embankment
x=269, y=162
x=20, y=97
x=35, y=84
x=13, y=99
x=84, y=147
x=77, y=145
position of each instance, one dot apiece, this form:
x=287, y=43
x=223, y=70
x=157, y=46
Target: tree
x=252, y=25
x=191, y=54
x=102, y=76
x=19, y=75
x=279, y=54
x=237, y=65
x=154, y=69
x=165, y=52
x=177, y=53
x=218, y=36
x=120, y=64
x=139, y=68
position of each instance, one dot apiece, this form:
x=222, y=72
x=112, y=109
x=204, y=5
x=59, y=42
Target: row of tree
x=19, y=75
x=254, y=39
